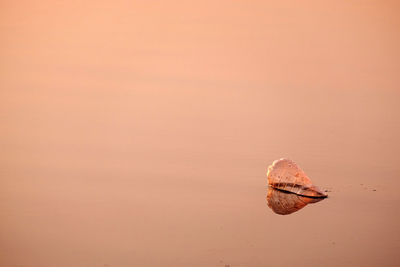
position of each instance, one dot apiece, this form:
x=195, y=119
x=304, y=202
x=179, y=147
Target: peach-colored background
x=137, y=133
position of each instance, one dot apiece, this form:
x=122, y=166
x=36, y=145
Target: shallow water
x=139, y=134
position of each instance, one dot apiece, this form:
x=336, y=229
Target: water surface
x=138, y=134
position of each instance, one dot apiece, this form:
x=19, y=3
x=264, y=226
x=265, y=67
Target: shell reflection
x=284, y=203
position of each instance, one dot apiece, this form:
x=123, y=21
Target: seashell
x=285, y=175
x=284, y=203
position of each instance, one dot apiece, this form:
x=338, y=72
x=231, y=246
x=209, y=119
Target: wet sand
x=138, y=134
